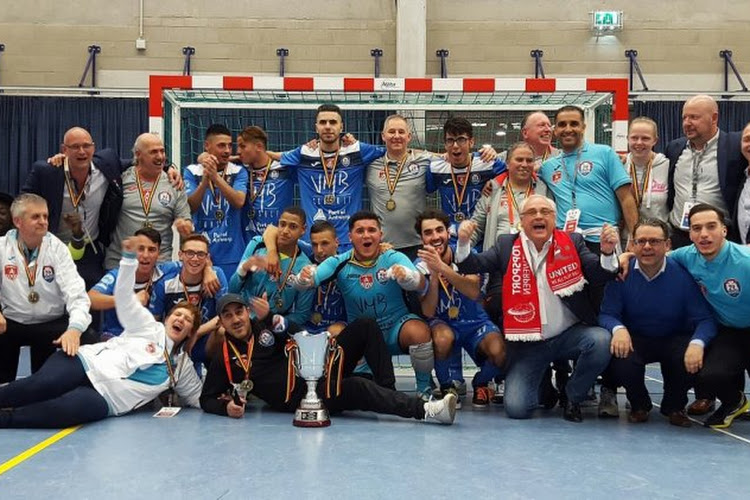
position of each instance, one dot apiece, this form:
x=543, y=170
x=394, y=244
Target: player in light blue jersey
x=373, y=284
x=453, y=304
x=216, y=190
x=186, y=284
x=331, y=176
x=253, y=281
x=270, y=188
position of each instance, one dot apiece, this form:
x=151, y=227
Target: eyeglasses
x=192, y=253
x=544, y=212
x=80, y=147
x=641, y=242
x=461, y=141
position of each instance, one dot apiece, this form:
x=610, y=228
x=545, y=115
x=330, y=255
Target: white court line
x=739, y=438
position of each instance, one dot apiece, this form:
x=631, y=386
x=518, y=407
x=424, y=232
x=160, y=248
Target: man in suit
x=547, y=313
x=705, y=166
x=86, y=193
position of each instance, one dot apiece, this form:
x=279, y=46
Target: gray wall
x=678, y=40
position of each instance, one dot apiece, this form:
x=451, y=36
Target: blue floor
x=363, y=456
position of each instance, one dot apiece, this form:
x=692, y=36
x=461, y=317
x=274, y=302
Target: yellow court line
x=5, y=467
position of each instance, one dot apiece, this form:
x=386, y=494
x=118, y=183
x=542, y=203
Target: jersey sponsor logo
x=556, y=177
x=366, y=281
x=11, y=271
x=382, y=276
x=585, y=168
x=266, y=338
x=732, y=287
x=48, y=273
x=165, y=198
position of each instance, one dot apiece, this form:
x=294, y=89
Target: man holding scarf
x=547, y=314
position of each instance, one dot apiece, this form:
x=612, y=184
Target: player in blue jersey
x=271, y=185
x=185, y=284
x=452, y=303
x=252, y=279
x=331, y=176
x=373, y=283
x=216, y=190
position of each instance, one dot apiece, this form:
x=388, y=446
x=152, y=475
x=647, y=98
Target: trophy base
x=317, y=417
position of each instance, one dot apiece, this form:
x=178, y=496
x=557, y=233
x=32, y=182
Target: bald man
x=705, y=166
x=83, y=198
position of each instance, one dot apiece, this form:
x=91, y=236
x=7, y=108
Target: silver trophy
x=310, y=362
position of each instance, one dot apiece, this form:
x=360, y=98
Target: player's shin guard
x=423, y=361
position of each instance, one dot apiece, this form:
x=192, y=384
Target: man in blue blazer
x=705, y=166
x=547, y=312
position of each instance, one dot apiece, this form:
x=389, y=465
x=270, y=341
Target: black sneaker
x=723, y=417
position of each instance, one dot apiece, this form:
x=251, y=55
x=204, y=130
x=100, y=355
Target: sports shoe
x=608, y=403
x=482, y=397
x=723, y=417
x=452, y=390
x=425, y=395
x=499, y=397
x=441, y=411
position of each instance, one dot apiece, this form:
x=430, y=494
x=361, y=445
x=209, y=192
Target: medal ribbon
x=460, y=192
x=245, y=366
x=292, y=351
x=324, y=302
x=282, y=282
x=329, y=176
x=75, y=200
x=146, y=203
x=187, y=295
x=640, y=191
x=335, y=356
x=215, y=192
x=447, y=288
x=512, y=199
x=31, y=276
x=170, y=372
x=392, y=187
x=253, y=193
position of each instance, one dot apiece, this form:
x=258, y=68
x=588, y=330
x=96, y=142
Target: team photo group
x=559, y=267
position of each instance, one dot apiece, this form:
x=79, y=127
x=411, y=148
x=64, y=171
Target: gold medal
x=329, y=199
x=453, y=312
x=459, y=216
x=219, y=215
x=390, y=205
x=246, y=386
x=316, y=318
x=33, y=297
x=279, y=304
x=251, y=214
x=147, y=224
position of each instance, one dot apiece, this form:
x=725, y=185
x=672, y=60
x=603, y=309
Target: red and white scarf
x=521, y=312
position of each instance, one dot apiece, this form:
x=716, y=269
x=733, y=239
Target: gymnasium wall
x=678, y=40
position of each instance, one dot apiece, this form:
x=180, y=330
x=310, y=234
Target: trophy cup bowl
x=310, y=365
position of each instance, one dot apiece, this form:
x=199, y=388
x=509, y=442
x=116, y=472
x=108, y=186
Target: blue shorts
x=391, y=337
x=468, y=335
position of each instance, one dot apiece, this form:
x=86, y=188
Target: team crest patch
x=475, y=179
x=150, y=348
x=556, y=177
x=48, y=273
x=274, y=174
x=732, y=287
x=381, y=174
x=194, y=299
x=413, y=168
x=165, y=198
x=266, y=338
x=585, y=167
x=345, y=161
x=366, y=281
x=11, y=271
x=382, y=276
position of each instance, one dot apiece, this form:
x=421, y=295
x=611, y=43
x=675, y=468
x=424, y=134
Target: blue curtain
x=31, y=128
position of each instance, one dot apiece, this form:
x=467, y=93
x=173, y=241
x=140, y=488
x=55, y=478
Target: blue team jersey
x=283, y=298
x=170, y=290
x=224, y=231
x=724, y=281
x=106, y=286
x=594, y=176
x=269, y=192
x=469, y=311
x=367, y=291
x=336, y=198
x=439, y=179
x=328, y=308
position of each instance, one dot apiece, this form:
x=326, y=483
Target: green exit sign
x=606, y=20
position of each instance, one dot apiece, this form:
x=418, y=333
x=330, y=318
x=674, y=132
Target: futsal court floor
x=367, y=456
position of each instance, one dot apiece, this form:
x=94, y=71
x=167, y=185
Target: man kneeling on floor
x=254, y=351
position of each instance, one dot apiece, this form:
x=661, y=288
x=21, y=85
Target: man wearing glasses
x=547, y=313
x=656, y=315
x=186, y=284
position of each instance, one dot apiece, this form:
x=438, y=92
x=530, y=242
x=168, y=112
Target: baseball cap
x=230, y=298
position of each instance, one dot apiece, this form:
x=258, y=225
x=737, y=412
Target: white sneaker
x=441, y=411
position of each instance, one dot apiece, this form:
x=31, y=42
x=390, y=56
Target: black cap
x=230, y=298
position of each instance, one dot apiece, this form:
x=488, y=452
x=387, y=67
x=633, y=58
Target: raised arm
x=131, y=314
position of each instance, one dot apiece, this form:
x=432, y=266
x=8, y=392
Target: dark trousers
x=724, y=365
x=361, y=338
x=39, y=337
x=58, y=395
x=630, y=372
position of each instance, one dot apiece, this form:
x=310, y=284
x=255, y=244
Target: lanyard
x=575, y=173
